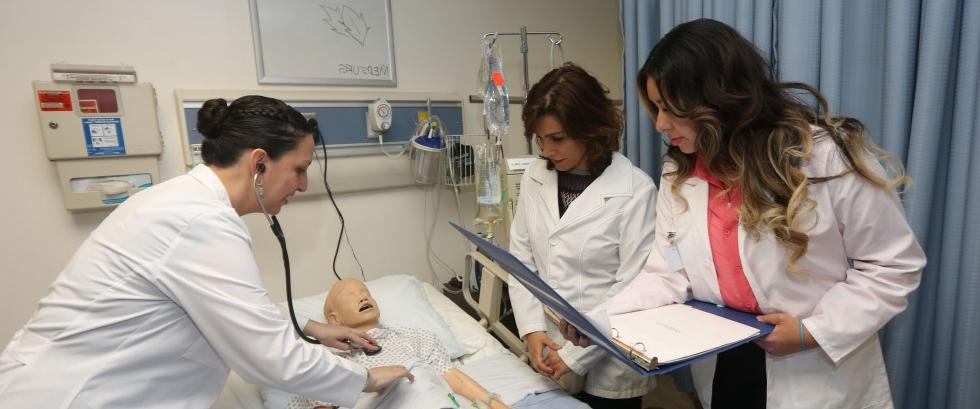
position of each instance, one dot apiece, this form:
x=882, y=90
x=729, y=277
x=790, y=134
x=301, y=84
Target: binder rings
x=629, y=355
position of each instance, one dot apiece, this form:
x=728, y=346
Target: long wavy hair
x=579, y=102
x=754, y=132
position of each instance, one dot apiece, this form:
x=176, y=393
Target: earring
x=258, y=186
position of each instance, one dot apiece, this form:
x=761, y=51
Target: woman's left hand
x=785, y=337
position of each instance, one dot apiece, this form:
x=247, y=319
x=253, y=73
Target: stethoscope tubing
x=277, y=231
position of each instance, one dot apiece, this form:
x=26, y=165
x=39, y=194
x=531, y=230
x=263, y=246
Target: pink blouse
x=723, y=237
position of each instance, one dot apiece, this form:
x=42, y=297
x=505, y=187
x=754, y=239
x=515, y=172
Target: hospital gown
x=408, y=347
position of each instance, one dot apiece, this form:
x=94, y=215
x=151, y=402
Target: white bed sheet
x=239, y=394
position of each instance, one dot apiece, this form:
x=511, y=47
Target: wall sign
x=334, y=42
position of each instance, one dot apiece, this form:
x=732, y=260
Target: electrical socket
x=309, y=116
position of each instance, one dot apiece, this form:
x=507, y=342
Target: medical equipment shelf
x=460, y=166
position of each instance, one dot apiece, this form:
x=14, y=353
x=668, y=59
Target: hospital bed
x=472, y=335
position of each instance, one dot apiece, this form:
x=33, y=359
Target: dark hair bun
x=211, y=116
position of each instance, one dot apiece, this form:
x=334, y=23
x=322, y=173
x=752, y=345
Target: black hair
x=250, y=122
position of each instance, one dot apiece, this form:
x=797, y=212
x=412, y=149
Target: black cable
x=318, y=136
x=277, y=230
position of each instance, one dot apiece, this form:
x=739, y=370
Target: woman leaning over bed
x=584, y=223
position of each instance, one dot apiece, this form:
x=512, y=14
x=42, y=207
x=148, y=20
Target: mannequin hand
x=785, y=338
x=535, y=342
x=571, y=334
x=336, y=336
x=554, y=361
x=380, y=378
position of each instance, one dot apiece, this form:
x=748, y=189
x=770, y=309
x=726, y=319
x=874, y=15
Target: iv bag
x=489, y=192
x=496, y=105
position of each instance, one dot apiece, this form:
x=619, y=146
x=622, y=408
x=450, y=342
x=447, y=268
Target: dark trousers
x=740, y=378
x=596, y=402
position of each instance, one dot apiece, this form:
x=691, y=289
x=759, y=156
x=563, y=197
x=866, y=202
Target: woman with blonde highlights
x=771, y=206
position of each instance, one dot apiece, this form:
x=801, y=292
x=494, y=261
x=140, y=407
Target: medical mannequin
x=164, y=297
x=349, y=303
x=584, y=223
x=770, y=205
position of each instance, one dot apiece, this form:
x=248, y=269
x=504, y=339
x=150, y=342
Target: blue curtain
x=909, y=70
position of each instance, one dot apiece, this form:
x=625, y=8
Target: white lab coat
x=156, y=306
x=842, y=306
x=587, y=255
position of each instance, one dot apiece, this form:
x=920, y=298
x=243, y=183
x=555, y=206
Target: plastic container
x=428, y=160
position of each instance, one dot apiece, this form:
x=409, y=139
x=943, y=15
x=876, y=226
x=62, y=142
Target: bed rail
x=491, y=292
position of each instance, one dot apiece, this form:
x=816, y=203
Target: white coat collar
x=615, y=180
x=210, y=180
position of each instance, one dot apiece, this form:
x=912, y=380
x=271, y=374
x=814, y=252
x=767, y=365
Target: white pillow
x=402, y=303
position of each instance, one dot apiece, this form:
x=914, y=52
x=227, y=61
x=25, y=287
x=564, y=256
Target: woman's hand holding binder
x=788, y=337
x=571, y=334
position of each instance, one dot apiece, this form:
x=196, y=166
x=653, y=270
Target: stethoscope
x=277, y=231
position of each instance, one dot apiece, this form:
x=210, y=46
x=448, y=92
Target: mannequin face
x=561, y=150
x=286, y=175
x=350, y=303
x=681, y=131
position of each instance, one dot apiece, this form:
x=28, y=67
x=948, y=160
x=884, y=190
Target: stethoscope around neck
x=277, y=231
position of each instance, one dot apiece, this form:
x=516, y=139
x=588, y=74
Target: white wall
x=191, y=44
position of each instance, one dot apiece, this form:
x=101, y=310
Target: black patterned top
x=571, y=184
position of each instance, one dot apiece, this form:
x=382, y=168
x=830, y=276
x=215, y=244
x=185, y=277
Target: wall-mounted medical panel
x=101, y=131
x=343, y=122
x=357, y=160
x=81, y=120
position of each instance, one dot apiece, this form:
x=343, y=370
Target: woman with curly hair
x=772, y=206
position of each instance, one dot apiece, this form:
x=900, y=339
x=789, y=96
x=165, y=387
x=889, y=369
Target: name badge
x=673, y=254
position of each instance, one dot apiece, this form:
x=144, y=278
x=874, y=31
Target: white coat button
x=554, y=243
x=553, y=283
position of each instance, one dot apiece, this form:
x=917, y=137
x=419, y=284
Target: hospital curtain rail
x=909, y=70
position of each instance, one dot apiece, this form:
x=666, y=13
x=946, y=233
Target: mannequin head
x=350, y=303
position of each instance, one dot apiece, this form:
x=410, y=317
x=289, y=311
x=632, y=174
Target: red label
x=54, y=100
x=498, y=78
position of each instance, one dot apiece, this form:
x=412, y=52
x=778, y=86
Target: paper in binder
x=675, y=333
x=652, y=342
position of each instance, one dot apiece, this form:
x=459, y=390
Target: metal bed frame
x=488, y=307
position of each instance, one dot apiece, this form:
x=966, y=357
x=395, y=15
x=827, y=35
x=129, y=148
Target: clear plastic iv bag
x=496, y=104
x=489, y=192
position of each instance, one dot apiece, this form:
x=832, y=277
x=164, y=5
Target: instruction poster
x=104, y=136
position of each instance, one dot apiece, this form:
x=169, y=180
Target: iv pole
x=527, y=86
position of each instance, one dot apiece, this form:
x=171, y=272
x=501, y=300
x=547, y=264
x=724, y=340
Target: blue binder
x=556, y=303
